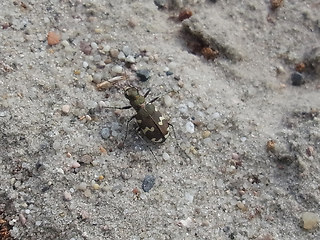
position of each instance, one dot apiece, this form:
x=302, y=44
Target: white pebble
x=243, y=139
x=126, y=50
x=183, y=108
x=190, y=127
x=106, y=48
x=117, y=69
x=216, y=115
x=65, y=108
x=165, y=156
x=75, y=164
x=168, y=100
x=130, y=59
x=38, y=223
x=121, y=56
x=94, y=46
x=65, y=43
x=82, y=186
x=27, y=211
x=190, y=104
x=67, y=196
x=85, y=64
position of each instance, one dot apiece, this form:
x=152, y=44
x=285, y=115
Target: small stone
x=105, y=133
x=165, y=156
x=310, y=151
x=143, y=74
x=241, y=206
x=65, y=109
x=86, y=158
x=126, y=50
x=161, y=3
x=82, y=186
x=206, y=134
x=189, y=127
x=53, y=38
x=75, y=164
x=130, y=59
x=114, y=52
x=94, y=46
x=310, y=220
x=85, y=64
x=97, y=77
x=168, y=101
x=106, y=48
x=96, y=186
x=121, y=56
x=297, y=79
x=148, y=183
x=117, y=69
x=275, y=4
x=67, y=196
x=186, y=223
x=168, y=73
x=22, y=219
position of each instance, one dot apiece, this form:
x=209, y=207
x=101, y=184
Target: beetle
x=150, y=121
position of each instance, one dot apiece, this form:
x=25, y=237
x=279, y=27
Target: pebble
x=53, y=38
x=82, y=186
x=130, y=59
x=105, y=133
x=121, y=56
x=183, y=108
x=148, y=183
x=96, y=186
x=126, y=50
x=117, y=69
x=310, y=220
x=22, y=219
x=189, y=127
x=65, y=109
x=168, y=73
x=165, y=156
x=206, y=134
x=86, y=158
x=75, y=164
x=94, y=46
x=143, y=74
x=85, y=64
x=67, y=196
x=168, y=101
x=114, y=52
x=97, y=77
x=186, y=223
x=297, y=79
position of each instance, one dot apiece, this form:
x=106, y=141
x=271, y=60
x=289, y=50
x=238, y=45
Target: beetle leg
x=155, y=99
x=146, y=94
x=125, y=137
x=126, y=107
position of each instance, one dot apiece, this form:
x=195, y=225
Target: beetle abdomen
x=153, y=125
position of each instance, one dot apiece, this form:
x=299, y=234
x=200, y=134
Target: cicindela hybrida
x=150, y=121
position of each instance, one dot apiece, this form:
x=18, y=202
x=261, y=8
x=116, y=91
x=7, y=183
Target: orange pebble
x=53, y=38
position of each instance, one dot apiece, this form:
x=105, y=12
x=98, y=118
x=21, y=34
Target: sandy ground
x=245, y=161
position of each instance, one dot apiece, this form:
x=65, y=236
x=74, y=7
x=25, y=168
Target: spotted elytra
x=150, y=121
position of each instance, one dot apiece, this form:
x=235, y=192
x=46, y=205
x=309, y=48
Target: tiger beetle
x=150, y=121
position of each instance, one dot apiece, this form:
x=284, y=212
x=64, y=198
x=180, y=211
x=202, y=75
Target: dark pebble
x=297, y=79
x=169, y=73
x=143, y=74
x=148, y=183
x=160, y=3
